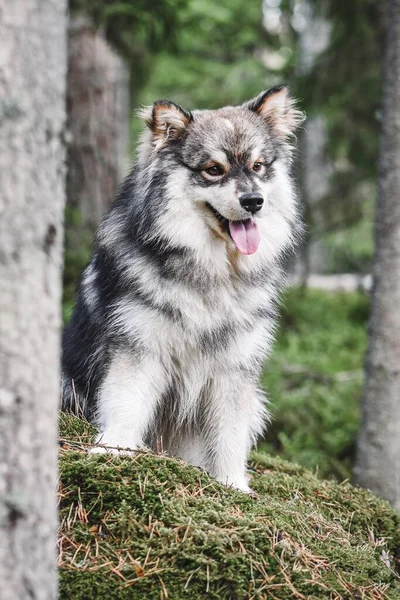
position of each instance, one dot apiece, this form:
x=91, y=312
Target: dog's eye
x=214, y=171
x=258, y=166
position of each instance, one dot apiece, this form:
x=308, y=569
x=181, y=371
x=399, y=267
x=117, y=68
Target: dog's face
x=226, y=161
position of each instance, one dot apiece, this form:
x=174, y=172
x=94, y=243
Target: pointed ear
x=279, y=110
x=166, y=120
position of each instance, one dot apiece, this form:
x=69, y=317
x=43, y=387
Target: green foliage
x=345, y=87
x=345, y=83
x=314, y=380
x=133, y=27
x=351, y=250
x=137, y=29
x=152, y=527
x=218, y=58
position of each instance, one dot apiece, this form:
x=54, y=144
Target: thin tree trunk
x=316, y=169
x=98, y=121
x=32, y=117
x=314, y=180
x=378, y=457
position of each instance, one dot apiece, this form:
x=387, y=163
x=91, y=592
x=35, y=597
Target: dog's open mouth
x=245, y=234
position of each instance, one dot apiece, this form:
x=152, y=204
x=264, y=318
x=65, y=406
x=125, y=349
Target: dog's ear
x=166, y=120
x=278, y=109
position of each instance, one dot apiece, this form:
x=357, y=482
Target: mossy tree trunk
x=378, y=459
x=98, y=121
x=32, y=183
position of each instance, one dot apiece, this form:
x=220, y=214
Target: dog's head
x=230, y=164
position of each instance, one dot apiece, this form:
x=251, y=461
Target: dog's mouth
x=245, y=233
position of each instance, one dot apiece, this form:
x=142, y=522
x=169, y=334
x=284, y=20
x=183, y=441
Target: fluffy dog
x=175, y=313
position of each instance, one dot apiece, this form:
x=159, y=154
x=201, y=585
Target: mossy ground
x=150, y=527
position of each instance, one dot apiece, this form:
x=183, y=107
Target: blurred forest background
x=202, y=54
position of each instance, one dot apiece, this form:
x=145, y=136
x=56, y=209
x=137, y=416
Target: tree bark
x=32, y=120
x=98, y=117
x=378, y=456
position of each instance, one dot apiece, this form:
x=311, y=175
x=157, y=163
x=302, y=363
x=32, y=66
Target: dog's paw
x=98, y=450
x=114, y=451
x=239, y=484
x=253, y=494
x=247, y=490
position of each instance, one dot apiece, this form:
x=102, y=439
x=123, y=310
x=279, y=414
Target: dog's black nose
x=252, y=202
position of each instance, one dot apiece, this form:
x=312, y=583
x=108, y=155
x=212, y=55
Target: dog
x=175, y=313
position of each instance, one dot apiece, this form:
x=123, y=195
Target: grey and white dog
x=175, y=313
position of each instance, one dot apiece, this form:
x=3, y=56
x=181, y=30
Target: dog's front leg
x=127, y=401
x=234, y=415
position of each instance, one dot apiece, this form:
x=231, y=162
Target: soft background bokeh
x=204, y=54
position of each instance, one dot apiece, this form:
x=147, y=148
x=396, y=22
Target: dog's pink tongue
x=245, y=235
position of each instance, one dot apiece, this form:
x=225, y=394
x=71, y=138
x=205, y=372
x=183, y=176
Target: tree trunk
x=314, y=180
x=316, y=169
x=378, y=457
x=32, y=119
x=98, y=121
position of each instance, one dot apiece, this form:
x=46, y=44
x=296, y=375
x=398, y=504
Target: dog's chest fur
x=196, y=329
x=189, y=319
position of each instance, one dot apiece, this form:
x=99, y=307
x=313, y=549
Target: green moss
x=74, y=430
x=150, y=527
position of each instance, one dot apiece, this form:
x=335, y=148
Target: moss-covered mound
x=150, y=527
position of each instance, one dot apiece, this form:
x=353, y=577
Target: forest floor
x=150, y=527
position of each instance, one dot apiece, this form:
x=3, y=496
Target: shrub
x=314, y=380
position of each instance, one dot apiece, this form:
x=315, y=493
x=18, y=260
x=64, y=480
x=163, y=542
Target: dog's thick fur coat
x=175, y=313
